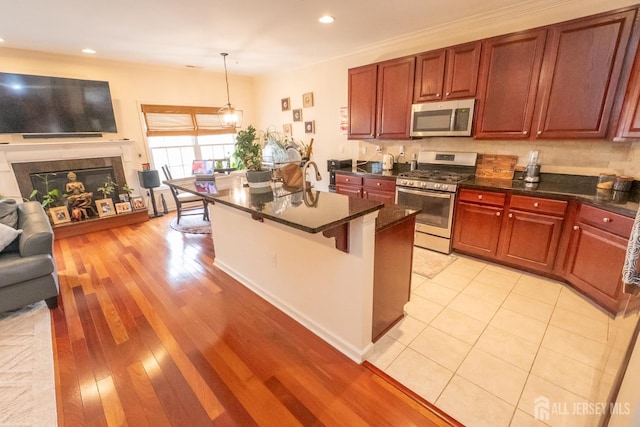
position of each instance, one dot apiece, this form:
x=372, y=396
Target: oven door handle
x=425, y=192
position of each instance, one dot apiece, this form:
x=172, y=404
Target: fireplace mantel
x=62, y=150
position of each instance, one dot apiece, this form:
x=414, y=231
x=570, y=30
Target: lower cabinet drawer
x=536, y=204
x=608, y=221
x=484, y=197
x=348, y=179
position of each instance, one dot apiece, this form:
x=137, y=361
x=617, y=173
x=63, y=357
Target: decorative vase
x=259, y=179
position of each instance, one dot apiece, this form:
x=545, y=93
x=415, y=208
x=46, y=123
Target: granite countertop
x=560, y=186
x=374, y=170
x=311, y=211
x=390, y=215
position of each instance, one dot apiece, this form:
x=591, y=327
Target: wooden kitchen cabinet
x=478, y=221
x=449, y=73
x=349, y=185
x=508, y=85
x=380, y=97
x=629, y=123
x=581, y=69
x=363, y=83
x=596, y=254
x=531, y=232
x=394, y=96
x=520, y=230
x=381, y=190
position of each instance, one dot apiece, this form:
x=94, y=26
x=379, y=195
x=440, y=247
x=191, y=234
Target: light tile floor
x=485, y=343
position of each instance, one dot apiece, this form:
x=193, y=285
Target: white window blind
x=167, y=120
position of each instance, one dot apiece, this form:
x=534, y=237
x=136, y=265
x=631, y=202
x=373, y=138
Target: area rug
x=27, y=385
x=428, y=263
x=193, y=224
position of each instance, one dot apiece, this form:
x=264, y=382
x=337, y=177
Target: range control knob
x=444, y=187
x=437, y=185
x=423, y=184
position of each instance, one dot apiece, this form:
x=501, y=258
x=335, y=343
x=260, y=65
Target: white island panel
x=328, y=291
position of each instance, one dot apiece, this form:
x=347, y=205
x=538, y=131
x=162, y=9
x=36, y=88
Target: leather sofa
x=27, y=268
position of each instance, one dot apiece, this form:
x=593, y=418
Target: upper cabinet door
x=362, y=102
x=429, y=82
x=395, y=84
x=463, y=62
x=447, y=73
x=580, y=75
x=508, y=85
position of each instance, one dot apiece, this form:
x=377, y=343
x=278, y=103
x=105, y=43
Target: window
x=177, y=135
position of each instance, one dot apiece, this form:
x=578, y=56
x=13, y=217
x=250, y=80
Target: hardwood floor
x=150, y=333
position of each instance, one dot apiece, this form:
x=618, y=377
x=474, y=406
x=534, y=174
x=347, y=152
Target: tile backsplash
x=568, y=157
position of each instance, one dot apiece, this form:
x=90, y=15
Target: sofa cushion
x=7, y=236
x=16, y=269
x=9, y=212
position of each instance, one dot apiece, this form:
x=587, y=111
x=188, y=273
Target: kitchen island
x=314, y=256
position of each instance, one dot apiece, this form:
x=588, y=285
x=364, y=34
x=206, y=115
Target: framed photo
x=310, y=127
x=60, y=215
x=123, y=207
x=286, y=128
x=297, y=115
x=285, y=104
x=138, y=203
x=105, y=207
x=307, y=100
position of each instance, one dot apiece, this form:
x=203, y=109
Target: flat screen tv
x=53, y=105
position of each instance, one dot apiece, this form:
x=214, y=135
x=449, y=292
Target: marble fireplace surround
x=19, y=159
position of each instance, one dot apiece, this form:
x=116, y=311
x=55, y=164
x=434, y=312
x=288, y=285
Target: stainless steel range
x=432, y=189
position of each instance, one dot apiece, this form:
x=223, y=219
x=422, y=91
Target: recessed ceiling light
x=326, y=19
x=89, y=51
x=1, y=40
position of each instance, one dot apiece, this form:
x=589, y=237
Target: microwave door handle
x=454, y=111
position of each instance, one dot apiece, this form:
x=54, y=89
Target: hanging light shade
x=229, y=116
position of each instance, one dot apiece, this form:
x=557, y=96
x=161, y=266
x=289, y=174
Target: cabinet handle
x=575, y=227
x=448, y=93
x=479, y=196
x=497, y=213
x=524, y=132
x=536, y=204
x=510, y=215
x=346, y=180
x=605, y=219
x=378, y=184
x=539, y=132
x=437, y=94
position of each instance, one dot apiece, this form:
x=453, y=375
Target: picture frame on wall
x=105, y=207
x=310, y=126
x=307, y=100
x=123, y=207
x=287, y=129
x=285, y=104
x=138, y=203
x=59, y=215
x=297, y=115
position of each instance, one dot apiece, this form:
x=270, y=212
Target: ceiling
x=260, y=36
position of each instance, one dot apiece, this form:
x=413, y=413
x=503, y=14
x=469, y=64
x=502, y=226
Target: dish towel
x=630, y=272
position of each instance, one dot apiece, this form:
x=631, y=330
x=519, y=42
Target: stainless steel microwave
x=446, y=118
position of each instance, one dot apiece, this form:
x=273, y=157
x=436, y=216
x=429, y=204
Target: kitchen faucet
x=304, y=174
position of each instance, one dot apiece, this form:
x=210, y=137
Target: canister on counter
x=605, y=181
x=622, y=183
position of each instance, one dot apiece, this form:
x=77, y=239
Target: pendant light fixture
x=229, y=116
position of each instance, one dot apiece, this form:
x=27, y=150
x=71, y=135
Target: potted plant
x=126, y=191
x=108, y=187
x=249, y=152
x=50, y=196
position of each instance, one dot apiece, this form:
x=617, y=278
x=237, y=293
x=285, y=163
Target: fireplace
x=92, y=172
